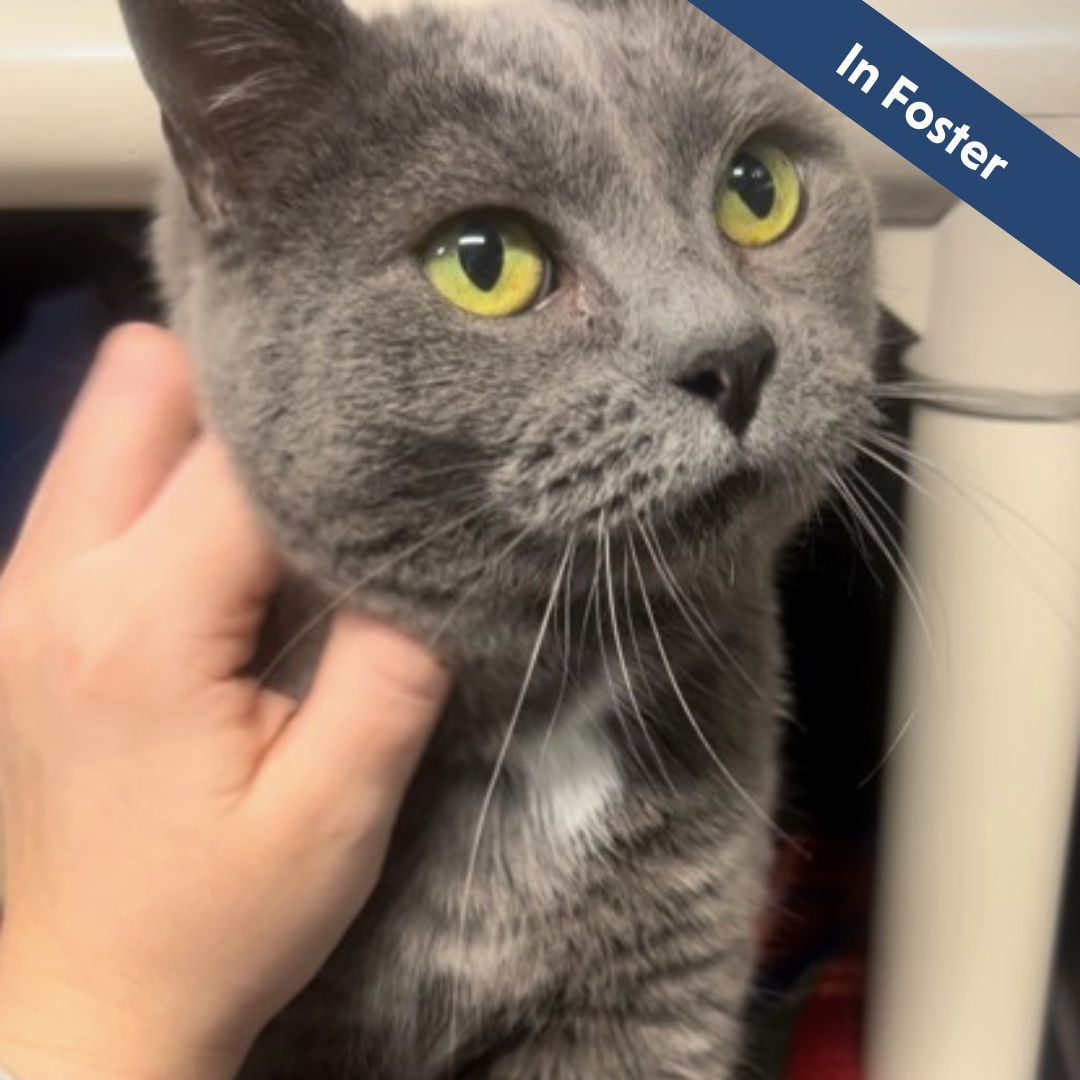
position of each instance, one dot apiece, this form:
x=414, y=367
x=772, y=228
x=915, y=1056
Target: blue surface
x=39, y=375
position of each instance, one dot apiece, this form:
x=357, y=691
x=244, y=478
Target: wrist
x=53, y=1048
x=49, y=1047
x=60, y=1055
x=55, y=1030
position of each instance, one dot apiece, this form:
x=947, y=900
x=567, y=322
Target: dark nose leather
x=732, y=379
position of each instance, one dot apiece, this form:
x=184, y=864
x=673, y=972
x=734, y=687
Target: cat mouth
x=722, y=499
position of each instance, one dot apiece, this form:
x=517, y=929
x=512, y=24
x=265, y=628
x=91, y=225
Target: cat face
x=468, y=288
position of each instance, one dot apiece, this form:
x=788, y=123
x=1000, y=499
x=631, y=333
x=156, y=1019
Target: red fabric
x=827, y=1038
x=813, y=947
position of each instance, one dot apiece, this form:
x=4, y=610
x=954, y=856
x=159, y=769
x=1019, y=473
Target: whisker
x=590, y=602
x=568, y=627
x=697, y=622
x=872, y=496
x=905, y=575
x=745, y=795
x=898, y=562
x=654, y=749
x=349, y=593
x=489, y=794
x=851, y=527
x=866, y=448
x=994, y=527
x=965, y=489
x=889, y=513
x=886, y=757
x=475, y=587
x=628, y=612
x=616, y=698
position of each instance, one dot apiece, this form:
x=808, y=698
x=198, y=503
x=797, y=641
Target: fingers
x=133, y=420
x=130, y=464
x=349, y=753
x=202, y=537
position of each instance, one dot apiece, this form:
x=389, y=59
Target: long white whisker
x=590, y=602
x=697, y=622
x=324, y=613
x=616, y=699
x=912, y=591
x=901, y=567
x=475, y=587
x=851, y=527
x=654, y=749
x=966, y=490
x=568, y=627
x=745, y=795
x=489, y=794
x=893, y=746
x=628, y=611
x=870, y=497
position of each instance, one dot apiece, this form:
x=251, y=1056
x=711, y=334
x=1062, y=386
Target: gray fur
x=442, y=467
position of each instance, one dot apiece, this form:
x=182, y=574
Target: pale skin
x=184, y=847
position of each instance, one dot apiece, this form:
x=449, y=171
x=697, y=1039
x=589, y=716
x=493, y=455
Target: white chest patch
x=572, y=777
x=552, y=824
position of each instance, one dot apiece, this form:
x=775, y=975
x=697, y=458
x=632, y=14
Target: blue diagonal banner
x=940, y=120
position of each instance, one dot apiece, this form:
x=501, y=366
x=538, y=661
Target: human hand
x=184, y=848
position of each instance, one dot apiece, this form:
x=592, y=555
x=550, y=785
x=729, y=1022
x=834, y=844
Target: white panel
x=1027, y=53
x=980, y=791
x=78, y=128
x=905, y=274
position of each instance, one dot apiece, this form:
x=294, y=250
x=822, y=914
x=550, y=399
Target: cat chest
x=484, y=920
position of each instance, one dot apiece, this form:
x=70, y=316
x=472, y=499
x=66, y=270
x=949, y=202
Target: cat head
x=469, y=288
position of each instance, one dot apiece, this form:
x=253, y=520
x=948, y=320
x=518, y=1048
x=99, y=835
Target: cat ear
x=237, y=80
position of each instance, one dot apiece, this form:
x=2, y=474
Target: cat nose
x=732, y=379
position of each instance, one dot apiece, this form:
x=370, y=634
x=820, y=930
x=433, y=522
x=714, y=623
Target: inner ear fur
x=236, y=81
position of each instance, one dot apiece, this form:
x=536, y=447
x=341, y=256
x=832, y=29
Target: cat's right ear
x=239, y=83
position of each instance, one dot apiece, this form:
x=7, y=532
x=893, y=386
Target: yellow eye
x=761, y=196
x=489, y=265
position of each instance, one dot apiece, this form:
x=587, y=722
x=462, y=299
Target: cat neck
x=615, y=653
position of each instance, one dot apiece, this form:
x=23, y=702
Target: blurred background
x=934, y=633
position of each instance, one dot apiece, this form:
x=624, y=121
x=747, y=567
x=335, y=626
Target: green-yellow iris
x=761, y=196
x=489, y=265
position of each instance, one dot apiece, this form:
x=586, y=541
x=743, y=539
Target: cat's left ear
x=238, y=81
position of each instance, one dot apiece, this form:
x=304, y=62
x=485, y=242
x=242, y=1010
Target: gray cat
x=536, y=329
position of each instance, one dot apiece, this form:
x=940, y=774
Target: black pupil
x=751, y=178
x=482, y=255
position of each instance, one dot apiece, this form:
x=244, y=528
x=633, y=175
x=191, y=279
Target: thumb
x=353, y=746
